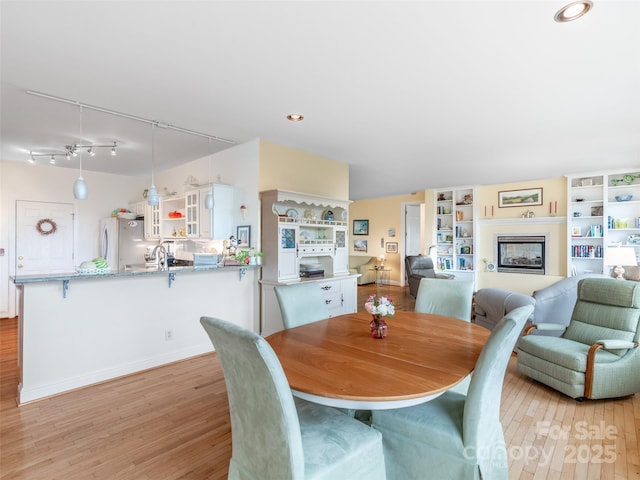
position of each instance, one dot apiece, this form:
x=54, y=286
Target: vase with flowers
x=379, y=307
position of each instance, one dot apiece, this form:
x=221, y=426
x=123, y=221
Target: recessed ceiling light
x=573, y=11
x=295, y=117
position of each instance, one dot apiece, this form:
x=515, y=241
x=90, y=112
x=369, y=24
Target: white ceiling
x=411, y=95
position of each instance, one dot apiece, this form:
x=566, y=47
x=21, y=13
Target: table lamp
x=381, y=259
x=618, y=256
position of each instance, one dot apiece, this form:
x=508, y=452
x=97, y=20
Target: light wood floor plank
x=172, y=423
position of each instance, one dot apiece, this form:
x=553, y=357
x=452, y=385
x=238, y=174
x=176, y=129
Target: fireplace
x=522, y=253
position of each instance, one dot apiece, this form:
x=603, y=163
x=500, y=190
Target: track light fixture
x=52, y=156
x=73, y=149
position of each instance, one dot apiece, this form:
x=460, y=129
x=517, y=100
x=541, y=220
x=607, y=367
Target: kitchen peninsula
x=76, y=330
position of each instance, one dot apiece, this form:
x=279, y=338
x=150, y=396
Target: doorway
x=413, y=233
x=44, y=237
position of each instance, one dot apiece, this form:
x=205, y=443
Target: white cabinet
x=604, y=209
x=152, y=221
x=188, y=217
x=455, y=231
x=339, y=294
x=303, y=229
x=300, y=229
x=216, y=222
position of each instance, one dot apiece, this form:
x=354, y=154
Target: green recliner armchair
x=597, y=356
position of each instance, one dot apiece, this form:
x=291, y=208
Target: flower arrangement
x=248, y=257
x=382, y=306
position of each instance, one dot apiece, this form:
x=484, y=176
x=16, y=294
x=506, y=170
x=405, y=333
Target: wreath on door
x=46, y=226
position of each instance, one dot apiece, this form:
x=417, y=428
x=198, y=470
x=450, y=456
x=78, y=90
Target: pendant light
x=152, y=194
x=208, y=200
x=80, y=189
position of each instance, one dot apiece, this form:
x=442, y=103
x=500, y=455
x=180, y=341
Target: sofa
x=418, y=267
x=552, y=304
x=364, y=265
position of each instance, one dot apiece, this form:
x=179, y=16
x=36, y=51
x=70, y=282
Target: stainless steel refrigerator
x=122, y=242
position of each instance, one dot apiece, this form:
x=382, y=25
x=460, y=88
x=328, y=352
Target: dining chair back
x=451, y=299
x=454, y=436
x=272, y=435
x=301, y=303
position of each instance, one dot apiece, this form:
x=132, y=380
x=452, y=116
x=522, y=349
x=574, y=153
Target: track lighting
x=73, y=149
x=52, y=156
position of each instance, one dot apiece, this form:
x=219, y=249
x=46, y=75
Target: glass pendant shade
x=152, y=196
x=208, y=201
x=80, y=189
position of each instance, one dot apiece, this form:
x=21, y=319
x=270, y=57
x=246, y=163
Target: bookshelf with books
x=604, y=209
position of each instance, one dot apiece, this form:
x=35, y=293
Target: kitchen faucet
x=162, y=260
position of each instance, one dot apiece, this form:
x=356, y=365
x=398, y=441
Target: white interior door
x=412, y=230
x=44, y=237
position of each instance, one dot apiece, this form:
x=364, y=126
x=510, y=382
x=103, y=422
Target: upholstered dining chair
x=274, y=437
x=451, y=299
x=301, y=303
x=597, y=354
x=454, y=436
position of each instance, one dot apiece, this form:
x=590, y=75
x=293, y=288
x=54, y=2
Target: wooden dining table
x=336, y=362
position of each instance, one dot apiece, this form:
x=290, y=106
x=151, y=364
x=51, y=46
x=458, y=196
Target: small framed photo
x=391, y=232
x=361, y=227
x=520, y=198
x=244, y=236
x=576, y=232
x=360, y=246
x=392, y=247
x=596, y=211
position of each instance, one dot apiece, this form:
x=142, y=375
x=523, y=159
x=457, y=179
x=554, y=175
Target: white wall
x=238, y=166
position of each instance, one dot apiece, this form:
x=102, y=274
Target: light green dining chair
x=301, y=303
x=451, y=299
x=454, y=436
x=273, y=437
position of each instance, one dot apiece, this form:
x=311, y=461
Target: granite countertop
x=135, y=272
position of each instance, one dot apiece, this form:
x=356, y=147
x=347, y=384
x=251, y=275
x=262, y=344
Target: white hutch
x=305, y=238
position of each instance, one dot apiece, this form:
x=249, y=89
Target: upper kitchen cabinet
x=216, y=222
x=188, y=216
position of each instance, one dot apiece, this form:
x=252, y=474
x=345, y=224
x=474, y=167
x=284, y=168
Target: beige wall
x=290, y=169
x=383, y=214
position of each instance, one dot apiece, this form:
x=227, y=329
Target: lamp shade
x=80, y=189
x=152, y=196
x=618, y=255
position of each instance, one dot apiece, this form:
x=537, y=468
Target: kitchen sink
x=141, y=267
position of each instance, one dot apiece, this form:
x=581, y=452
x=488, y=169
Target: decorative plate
x=345, y=214
x=292, y=213
x=328, y=216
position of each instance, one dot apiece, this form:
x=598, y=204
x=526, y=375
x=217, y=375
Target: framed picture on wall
x=361, y=227
x=360, y=246
x=392, y=247
x=244, y=236
x=520, y=198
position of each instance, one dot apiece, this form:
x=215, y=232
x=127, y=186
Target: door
x=44, y=237
x=412, y=230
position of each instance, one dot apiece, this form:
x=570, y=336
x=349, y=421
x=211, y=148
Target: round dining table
x=337, y=362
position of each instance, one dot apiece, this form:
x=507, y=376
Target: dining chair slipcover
x=453, y=436
x=597, y=355
x=274, y=437
x=451, y=299
x=301, y=303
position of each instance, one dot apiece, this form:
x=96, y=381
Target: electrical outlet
x=168, y=335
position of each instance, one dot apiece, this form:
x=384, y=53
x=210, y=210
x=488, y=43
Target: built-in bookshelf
x=603, y=209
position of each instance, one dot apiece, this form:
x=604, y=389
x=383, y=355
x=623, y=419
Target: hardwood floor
x=172, y=422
